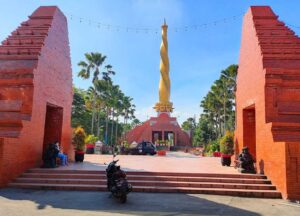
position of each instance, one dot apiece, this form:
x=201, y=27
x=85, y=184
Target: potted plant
x=226, y=148
x=79, y=144
x=90, y=143
x=161, y=149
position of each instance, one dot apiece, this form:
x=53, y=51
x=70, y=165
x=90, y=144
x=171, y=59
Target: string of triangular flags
x=149, y=30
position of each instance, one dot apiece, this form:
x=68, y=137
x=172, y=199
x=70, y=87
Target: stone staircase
x=246, y=185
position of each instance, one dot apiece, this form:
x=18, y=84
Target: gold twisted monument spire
x=164, y=104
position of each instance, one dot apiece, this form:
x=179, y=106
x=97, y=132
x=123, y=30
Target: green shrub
x=125, y=144
x=215, y=146
x=90, y=139
x=226, y=143
x=212, y=146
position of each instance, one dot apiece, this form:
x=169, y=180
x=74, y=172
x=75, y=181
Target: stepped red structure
x=35, y=91
x=162, y=127
x=268, y=98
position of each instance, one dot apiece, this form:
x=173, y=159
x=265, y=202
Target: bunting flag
x=149, y=30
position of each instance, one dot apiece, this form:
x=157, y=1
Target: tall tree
x=135, y=122
x=103, y=89
x=81, y=115
x=119, y=111
x=114, y=96
x=189, y=124
x=91, y=67
x=204, y=132
x=219, y=104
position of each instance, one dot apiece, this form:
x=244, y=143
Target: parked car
x=143, y=148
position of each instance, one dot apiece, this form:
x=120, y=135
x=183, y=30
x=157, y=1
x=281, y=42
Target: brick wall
x=52, y=84
x=268, y=68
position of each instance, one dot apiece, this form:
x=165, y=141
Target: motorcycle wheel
x=123, y=198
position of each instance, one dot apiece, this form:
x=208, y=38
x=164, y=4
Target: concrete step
x=148, y=178
x=248, y=185
x=150, y=183
x=248, y=176
x=203, y=185
x=42, y=186
x=153, y=189
x=214, y=191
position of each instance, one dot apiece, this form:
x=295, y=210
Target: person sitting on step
x=49, y=156
x=63, y=158
x=246, y=162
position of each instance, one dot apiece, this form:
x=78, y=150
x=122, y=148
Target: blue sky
x=196, y=56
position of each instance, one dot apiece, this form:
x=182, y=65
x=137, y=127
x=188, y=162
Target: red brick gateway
x=268, y=98
x=35, y=91
x=36, y=95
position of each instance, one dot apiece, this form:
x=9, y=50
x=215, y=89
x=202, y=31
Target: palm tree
x=114, y=96
x=106, y=74
x=103, y=89
x=135, y=122
x=119, y=111
x=106, y=93
x=219, y=102
x=229, y=79
x=91, y=66
x=128, y=110
x=220, y=90
x=127, y=106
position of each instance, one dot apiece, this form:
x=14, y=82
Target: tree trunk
x=112, y=128
x=116, y=138
x=106, y=126
x=219, y=120
x=93, y=119
x=98, y=128
x=224, y=107
x=125, y=123
x=93, y=113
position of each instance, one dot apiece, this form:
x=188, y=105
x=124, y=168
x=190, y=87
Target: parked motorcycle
x=117, y=182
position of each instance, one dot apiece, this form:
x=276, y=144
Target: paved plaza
x=14, y=202
x=173, y=162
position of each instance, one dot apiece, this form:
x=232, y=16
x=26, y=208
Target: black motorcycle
x=117, y=182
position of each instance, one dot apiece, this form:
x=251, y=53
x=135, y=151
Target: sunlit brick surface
x=35, y=69
x=268, y=98
x=173, y=162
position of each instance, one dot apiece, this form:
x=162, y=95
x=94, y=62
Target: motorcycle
x=117, y=182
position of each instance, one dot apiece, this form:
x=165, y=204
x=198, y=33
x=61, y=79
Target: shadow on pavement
x=138, y=203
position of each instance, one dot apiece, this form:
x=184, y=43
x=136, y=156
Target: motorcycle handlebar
x=115, y=161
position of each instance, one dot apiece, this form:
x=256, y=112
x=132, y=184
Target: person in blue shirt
x=63, y=158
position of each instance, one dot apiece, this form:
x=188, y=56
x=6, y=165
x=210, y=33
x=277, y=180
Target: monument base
x=161, y=129
x=164, y=107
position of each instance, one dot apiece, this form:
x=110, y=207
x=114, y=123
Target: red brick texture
x=161, y=123
x=268, y=84
x=35, y=72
